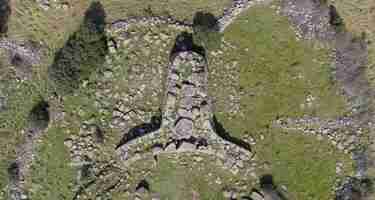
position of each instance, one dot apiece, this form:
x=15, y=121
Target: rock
x=256, y=196
x=184, y=128
x=68, y=143
x=227, y=194
x=186, y=146
x=156, y=150
x=142, y=188
x=184, y=113
x=171, y=147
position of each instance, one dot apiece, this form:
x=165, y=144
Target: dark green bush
x=83, y=53
x=206, y=31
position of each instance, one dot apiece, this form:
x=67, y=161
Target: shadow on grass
x=219, y=129
x=5, y=12
x=206, y=31
x=83, y=53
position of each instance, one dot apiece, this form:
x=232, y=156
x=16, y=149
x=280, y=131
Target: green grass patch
x=13, y=119
x=305, y=165
x=51, y=176
x=277, y=73
x=180, y=9
x=180, y=177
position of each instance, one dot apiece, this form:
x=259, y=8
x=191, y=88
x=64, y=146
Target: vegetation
x=206, y=31
x=305, y=165
x=182, y=10
x=278, y=75
x=83, y=53
x=52, y=176
x=183, y=178
x=14, y=118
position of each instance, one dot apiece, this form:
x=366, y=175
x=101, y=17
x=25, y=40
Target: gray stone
x=184, y=128
x=256, y=196
x=227, y=194
x=184, y=113
x=188, y=90
x=156, y=150
x=186, y=146
x=171, y=147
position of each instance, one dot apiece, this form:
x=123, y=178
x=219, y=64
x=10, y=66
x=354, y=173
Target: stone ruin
x=187, y=124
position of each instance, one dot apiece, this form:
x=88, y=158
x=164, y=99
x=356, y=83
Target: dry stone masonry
x=186, y=125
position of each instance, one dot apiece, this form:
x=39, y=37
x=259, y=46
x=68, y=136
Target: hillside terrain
x=187, y=99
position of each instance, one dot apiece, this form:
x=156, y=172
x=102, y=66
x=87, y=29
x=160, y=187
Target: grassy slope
x=52, y=177
x=52, y=28
x=12, y=121
x=277, y=73
x=305, y=165
x=180, y=178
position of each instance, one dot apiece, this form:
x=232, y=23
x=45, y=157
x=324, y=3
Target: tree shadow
x=206, y=31
x=39, y=118
x=5, y=12
x=206, y=20
x=83, y=53
x=220, y=130
x=14, y=172
x=141, y=130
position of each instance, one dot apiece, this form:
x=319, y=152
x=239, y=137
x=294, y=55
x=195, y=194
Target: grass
x=12, y=120
x=51, y=176
x=276, y=74
x=180, y=9
x=29, y=21
x=305, y=165
x=182, y=178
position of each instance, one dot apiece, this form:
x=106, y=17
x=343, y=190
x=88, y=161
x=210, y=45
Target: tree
x=206, y=31
x=83, y=53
